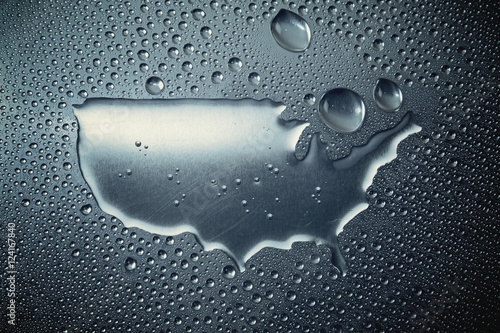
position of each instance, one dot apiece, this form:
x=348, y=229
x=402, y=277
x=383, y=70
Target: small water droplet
x=217, y=77
x=387, y=95
x=291, y=31
x=378, y=44
x=235, y=64
x=309, y=99
x=248, y=285
x=173, y=52
x=83, y=94
x=198, y=14
x=143, y=55
x=229, y=272
x=342, y=110
x=206, y=32
x=86, y=209
x=130, y=264
x=291, y=295
x=254, y=78
x=187, y=66
x=154, y=85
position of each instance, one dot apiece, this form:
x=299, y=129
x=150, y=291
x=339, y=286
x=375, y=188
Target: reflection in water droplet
x=154, y=85
x=235, y=64
x=291, y=31
x=342, y=110
x=387, y=95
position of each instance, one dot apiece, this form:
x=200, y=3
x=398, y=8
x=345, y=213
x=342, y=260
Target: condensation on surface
x=418, y=258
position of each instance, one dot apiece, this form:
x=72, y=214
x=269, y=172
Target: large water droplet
x=154, y=85
x=387, y=95
x=291, y=31
x=342, y=110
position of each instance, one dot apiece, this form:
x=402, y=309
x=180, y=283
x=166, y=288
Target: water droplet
x=387, y=95
x=378, y=44
x=142, y=32
x=309, y=99
x=235, y=64
x=248, y=285
x=86, y=209
x=188, y=49
x=291, y=31
x=130, y=264
x=229, y=272
x=173, y=52
x=25, y=202
x=154, y=85
x=143, y=55
x=254, y=78
x=291, y=295
x=187, y=66
x=206, y=32
x=342, y=110
x=162, y=254
x=217, y=77
x=198, y=14
x=83, y=94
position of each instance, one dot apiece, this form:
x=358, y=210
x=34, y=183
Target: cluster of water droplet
x=430, y=221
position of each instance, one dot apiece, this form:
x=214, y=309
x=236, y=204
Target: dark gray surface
x=422, y=257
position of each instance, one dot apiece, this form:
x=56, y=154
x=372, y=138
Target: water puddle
x=224, y=170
